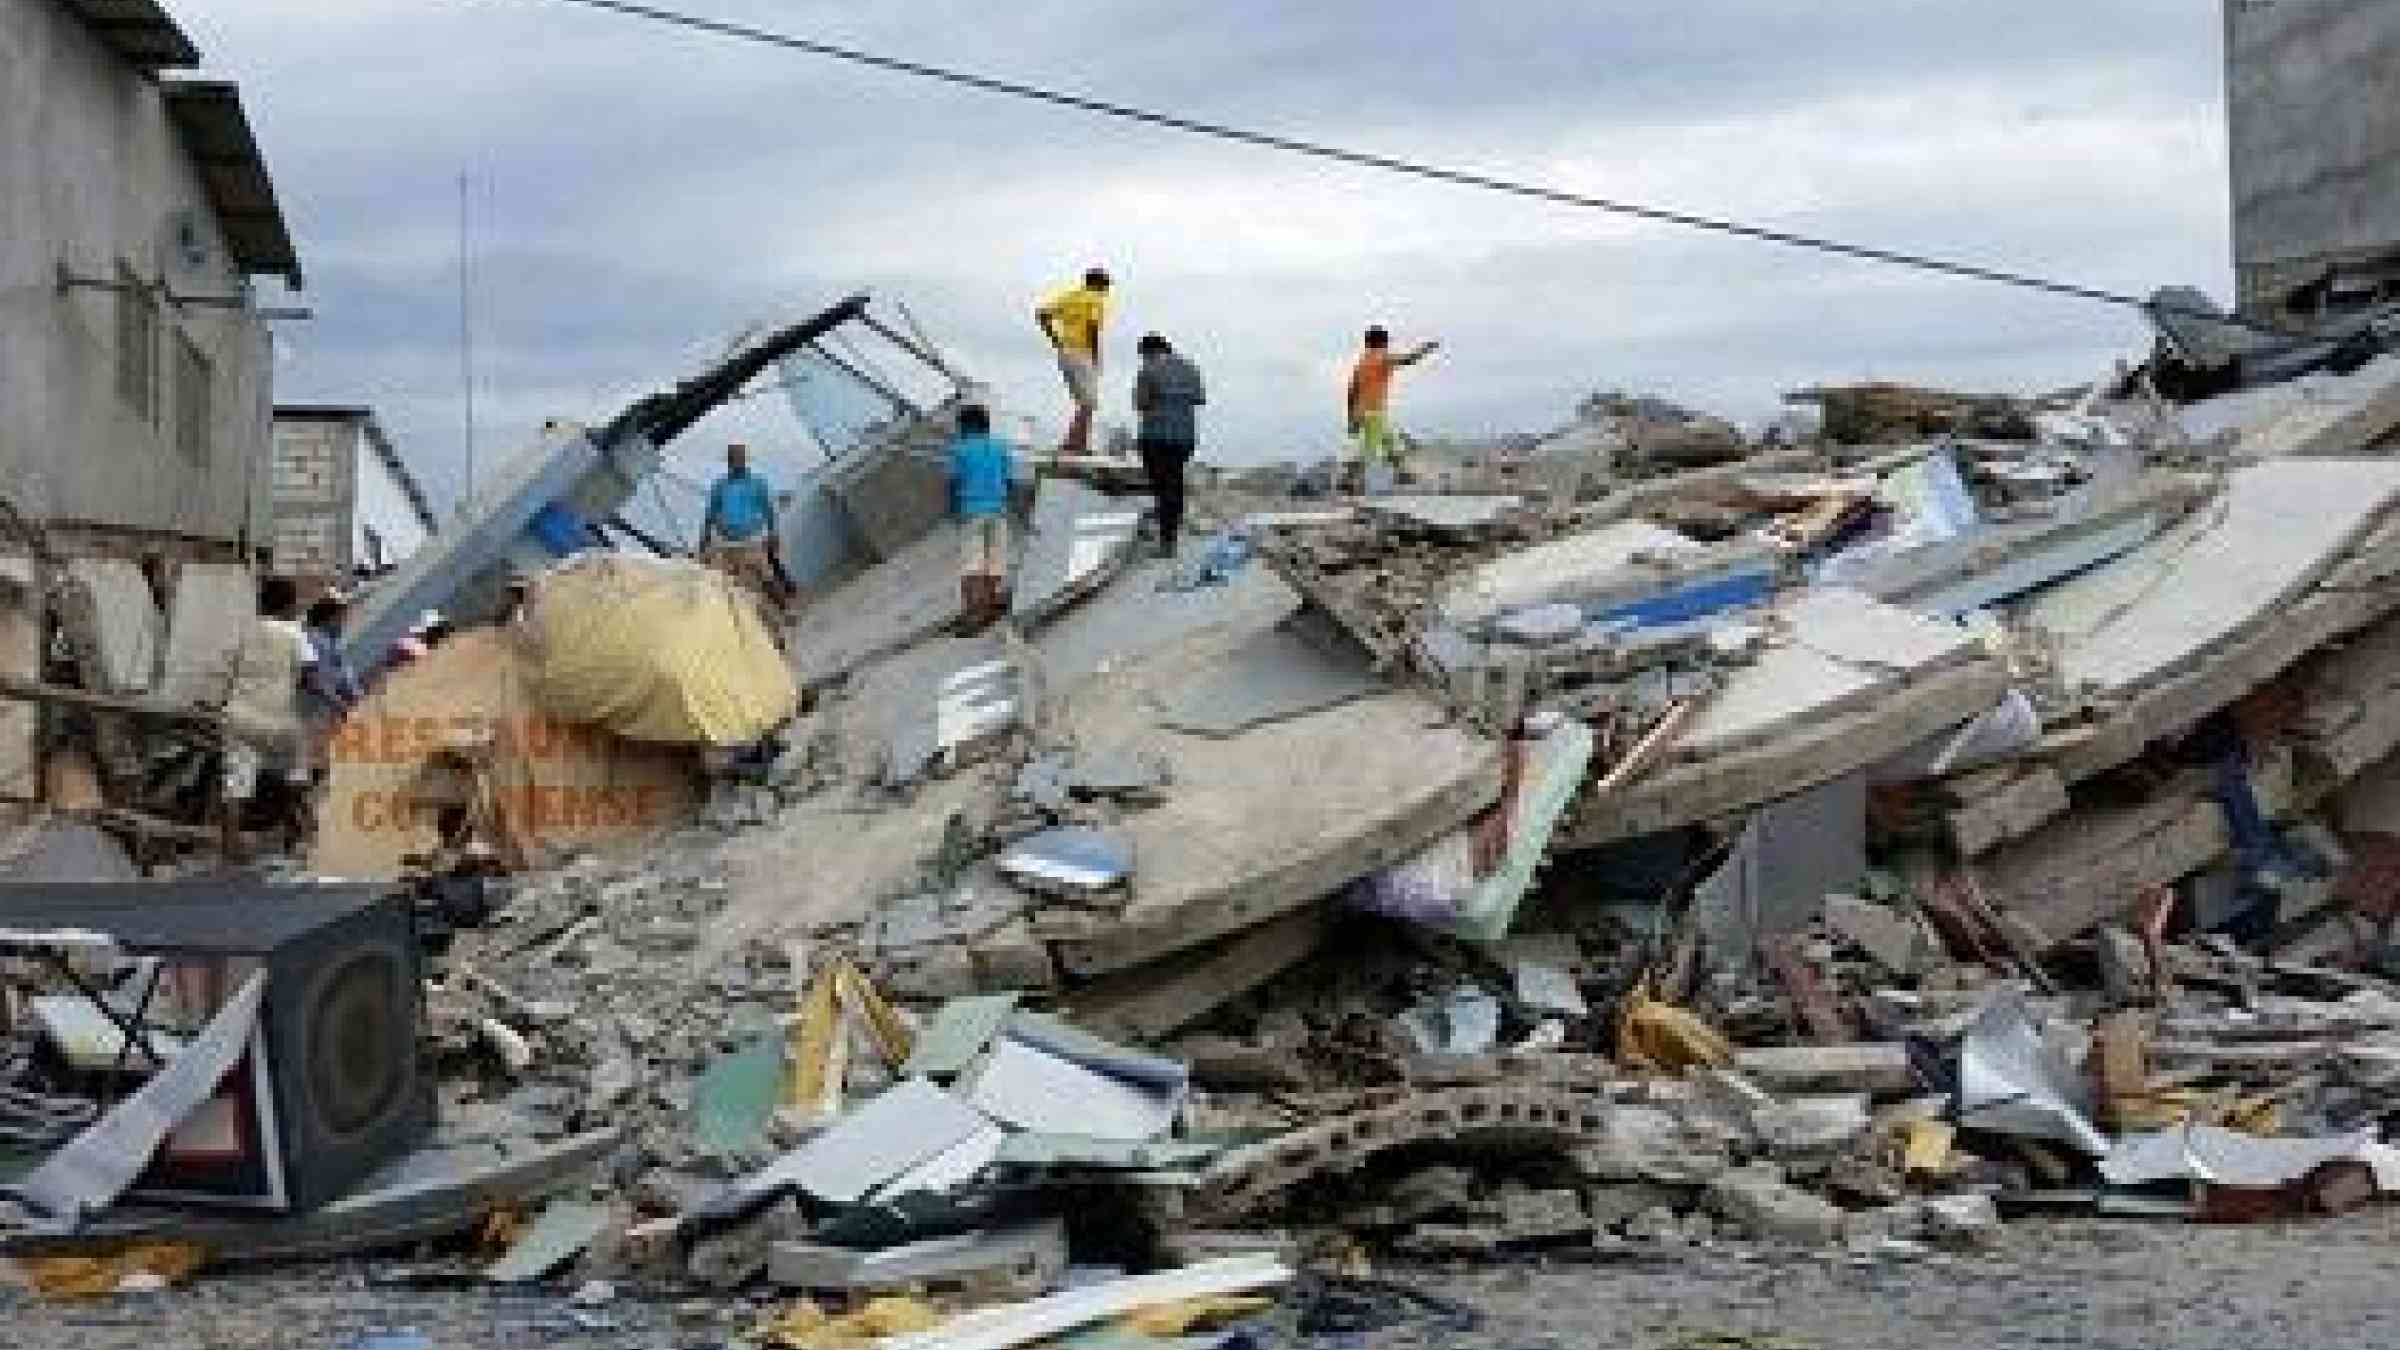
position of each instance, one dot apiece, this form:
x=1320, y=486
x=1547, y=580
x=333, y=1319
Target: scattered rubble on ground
x=1983, y=810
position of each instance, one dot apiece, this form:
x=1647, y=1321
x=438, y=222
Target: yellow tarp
x=97, y=1276
x=1657, y=1037
x=805, y=1326
x=656, y=650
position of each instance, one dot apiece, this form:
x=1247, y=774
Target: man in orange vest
x=1370, y=399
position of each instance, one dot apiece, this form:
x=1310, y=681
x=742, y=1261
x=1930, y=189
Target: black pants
x=1163, y=462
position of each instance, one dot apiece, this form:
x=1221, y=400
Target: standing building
x=2312, y=94
x=135, y=209
x=344, y=502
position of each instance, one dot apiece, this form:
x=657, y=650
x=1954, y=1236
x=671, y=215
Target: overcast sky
x=640, y=193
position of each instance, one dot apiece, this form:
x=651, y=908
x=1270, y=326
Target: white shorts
x=1082, y=374
x=983, y=546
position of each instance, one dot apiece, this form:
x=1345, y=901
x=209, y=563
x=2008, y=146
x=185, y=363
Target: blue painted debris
x=1072, y=858
x=1225, y=553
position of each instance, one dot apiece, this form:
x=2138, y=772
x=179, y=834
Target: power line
x=1366, y=160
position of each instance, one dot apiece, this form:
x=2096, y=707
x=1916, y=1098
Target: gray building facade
x=135, y=209
x=344, y=501
x=2313, y=127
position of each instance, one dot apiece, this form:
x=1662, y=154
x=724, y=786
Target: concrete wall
x=315, y=467
x=2313, y=111
x=91, y=170
x=379, y=504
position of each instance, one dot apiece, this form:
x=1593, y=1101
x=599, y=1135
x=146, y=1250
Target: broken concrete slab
x=1440, y=514
x=1762, y=1203
x=869, y=1147
x=1132, y=622
x=1031, y=1089
x=960, y=1031
x=2096, y=863
x=2010, y=812
x=211, y=609
x=1900, y=943
x=2317, y=414
x=1633, y=570
x=1147, y=1002
x=558, y=1234
x=1881, y=1069
x=1999, y=562
x=2273, y=531
x=1848, y=682
x=1077, y=541
x=891, y=605
x=111, y=620
x=1240, y=840
x=1791, y=855
x=1299, y=666
x=1022, y=1261
x=1255, y=1174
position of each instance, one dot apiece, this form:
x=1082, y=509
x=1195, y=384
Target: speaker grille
x=356, y=1074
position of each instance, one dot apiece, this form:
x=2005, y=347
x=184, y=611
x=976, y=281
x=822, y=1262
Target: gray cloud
x=641, y=194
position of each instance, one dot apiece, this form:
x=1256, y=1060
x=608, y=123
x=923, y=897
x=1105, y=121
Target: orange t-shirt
x=1371, y=383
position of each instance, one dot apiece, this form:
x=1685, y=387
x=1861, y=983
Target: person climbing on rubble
x=1370, y=400
x=737, y=535
x=1166, y=392
x=263, y=733
x=1072, y=320
x=979, y=474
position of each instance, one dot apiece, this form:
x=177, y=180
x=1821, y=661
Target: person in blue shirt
x=737, y=536
x=979, y=474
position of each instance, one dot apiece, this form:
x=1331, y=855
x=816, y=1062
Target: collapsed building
x=1634, y=838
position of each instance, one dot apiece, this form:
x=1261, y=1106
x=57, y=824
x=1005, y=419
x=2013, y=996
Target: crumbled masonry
x=1635, y=839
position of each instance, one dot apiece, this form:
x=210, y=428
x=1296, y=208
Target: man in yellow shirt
x=1071, y=320
x=1370, y=398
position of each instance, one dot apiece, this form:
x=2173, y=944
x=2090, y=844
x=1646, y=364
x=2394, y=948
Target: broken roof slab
x=2318, y=414
x=1077, y=540
x=2275, y=530
x=1256, y=824
x=892, y=605
x=1848, y=681
x=1131, y=620
x=1955, y=576
x=1614, y=563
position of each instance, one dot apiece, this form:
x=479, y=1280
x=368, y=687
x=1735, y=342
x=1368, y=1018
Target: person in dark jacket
x=1166, y=392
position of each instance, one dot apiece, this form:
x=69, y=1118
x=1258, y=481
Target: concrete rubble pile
x=1466, y=874
x=1817, y=845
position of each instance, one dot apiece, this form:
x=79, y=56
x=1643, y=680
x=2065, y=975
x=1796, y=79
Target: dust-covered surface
x=2332, y=1285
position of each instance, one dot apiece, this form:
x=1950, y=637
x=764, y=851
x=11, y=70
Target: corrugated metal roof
x=140, y=31
x=216, y=133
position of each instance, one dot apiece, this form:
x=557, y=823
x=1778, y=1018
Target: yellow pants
x=1377, y=440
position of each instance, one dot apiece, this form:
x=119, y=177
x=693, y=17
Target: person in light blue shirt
x=979, y=474
x=741, y=507
x=737, y=536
